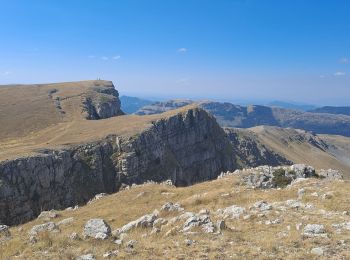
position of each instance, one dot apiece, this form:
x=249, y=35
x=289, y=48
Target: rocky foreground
x=291, y=212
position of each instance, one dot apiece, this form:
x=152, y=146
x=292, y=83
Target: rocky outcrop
x=102, y=102
x=250, y=152
x=186, y=148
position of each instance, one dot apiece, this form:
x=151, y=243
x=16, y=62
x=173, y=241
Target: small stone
x=86, y=257
x=4, y=231
x=231, y=212
x=110, y=254
x=131, y=244
x=169, y=206
x=159, y=222
x=203, y=212
x=65, y=221
x=220, y=225
x=32, y=239
x=301, y=193
x=155, y=231
x=314, y=230
x=188, y=242
x=246, y=217
x=118, y=242
x=262, y=205
x=317, y=251
x=47, y=215
x=49, y=226
x=74, y=236
x=327, y=195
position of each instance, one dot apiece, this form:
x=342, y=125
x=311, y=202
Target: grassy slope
x=243, y=239
x=30, y=120
x=287, y=142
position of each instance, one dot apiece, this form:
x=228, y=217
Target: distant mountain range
x=131, y=104
x=231, y=115
x=333, y=110
x=291, y=105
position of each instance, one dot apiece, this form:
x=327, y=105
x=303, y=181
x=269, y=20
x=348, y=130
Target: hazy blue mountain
x=132, y=104
x=231, y=115
x=291, y=105
x=332, y=110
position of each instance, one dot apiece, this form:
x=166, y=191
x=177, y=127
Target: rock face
x=102, y=102
x=186, y=148
x=250, y=152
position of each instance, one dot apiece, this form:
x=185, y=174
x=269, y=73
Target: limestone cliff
x=188, y=147
x=102, y=102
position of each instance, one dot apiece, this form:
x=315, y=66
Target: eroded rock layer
x=186, y=148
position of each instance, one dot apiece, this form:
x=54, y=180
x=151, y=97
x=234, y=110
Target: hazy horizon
x=293, y=51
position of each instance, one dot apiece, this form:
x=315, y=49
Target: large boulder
x=49, y=226
x=97, y=228
x=144, y=221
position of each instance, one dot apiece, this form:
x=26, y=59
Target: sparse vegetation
x=280, y=179
x=242, y=238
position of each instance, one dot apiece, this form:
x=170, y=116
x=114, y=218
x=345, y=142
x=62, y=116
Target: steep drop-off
x=187, y=147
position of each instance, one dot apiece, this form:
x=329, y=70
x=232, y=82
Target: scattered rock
x=4, y=231
x=327, y=195
x=169, y=206
x=159, y=222
x=202, y=221
x=301, y=193
x=144, y=221
x=118, y=242
x=204, y=212
x=262, y=205
x=231, y=212
x=341, y=226
x=32, y=239
x=131, y=244
x=314, y=230
x=167, y=182
x=155, y=231
x=65, y=221
x=188, y=242
x=294, y=204
x=220, y=225
x=246, y=217
x=273, y=222
x=97, y=228
x=86, y=257
x=317, y=251
x=47, y=215
x=298, y=226
x=49, y=226
x=74, y=236
x=97, y=197
x=330, y=174
x=110, y=254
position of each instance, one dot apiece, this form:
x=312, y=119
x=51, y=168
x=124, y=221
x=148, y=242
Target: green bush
x=280, y=179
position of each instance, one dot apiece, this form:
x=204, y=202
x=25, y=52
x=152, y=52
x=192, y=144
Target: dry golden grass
x=244, y=239
x=30, y=121
x=297, y=151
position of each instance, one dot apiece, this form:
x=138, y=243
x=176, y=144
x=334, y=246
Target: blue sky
x=239, y=49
